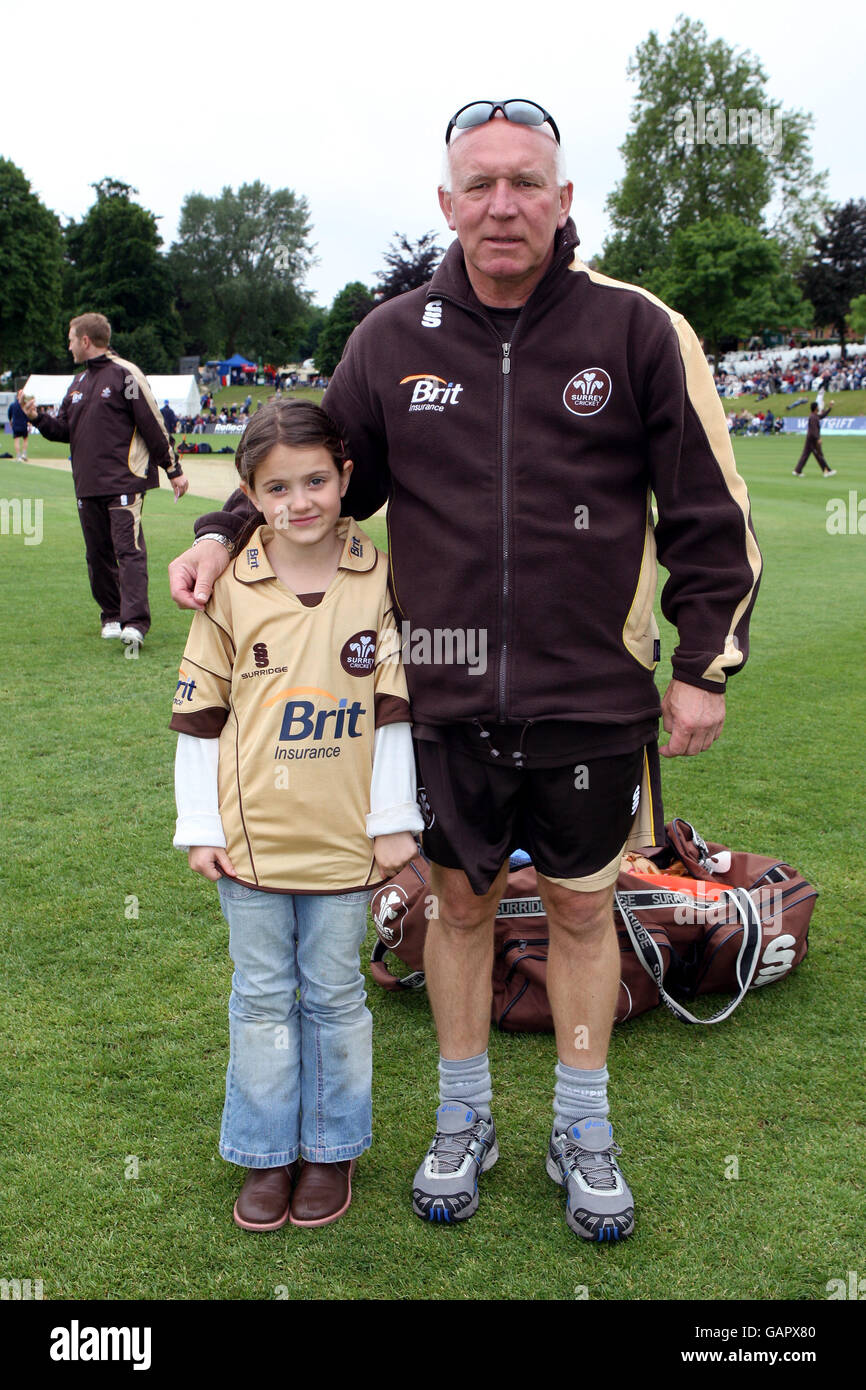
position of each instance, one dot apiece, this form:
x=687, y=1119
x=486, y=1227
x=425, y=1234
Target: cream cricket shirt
x=294, y=694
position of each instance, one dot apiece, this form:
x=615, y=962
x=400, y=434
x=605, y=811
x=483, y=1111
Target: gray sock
x=467, y=1080
x=578, y=1094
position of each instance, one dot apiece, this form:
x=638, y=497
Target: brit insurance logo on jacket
x=588, y=391
x=431, y=392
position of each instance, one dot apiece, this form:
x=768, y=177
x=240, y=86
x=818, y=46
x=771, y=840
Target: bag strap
x=649, y=955
x=382, y=975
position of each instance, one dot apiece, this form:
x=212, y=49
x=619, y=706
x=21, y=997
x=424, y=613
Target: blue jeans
x=301, y=1064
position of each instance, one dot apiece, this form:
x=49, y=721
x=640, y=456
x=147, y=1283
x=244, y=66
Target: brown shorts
x=573, y=820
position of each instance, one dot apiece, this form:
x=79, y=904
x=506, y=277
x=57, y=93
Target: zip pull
x=506, y=360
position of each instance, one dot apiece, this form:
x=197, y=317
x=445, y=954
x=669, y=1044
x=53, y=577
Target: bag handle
x=382, y=975
x=681, y=842
x=649, y=955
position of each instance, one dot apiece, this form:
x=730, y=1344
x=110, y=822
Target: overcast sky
x=349, y=106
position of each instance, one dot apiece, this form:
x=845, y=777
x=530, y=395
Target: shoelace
x=597, y=1169
x=449, y=1150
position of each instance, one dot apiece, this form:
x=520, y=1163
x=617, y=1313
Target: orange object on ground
x=700, y=888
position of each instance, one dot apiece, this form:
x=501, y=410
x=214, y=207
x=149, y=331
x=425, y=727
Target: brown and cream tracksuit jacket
x=520, y=478
x=117, y=435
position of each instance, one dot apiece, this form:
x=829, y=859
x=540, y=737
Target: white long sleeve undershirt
x=392, y=789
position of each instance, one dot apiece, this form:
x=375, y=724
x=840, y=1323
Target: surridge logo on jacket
x=588, y=391
x=432, y=392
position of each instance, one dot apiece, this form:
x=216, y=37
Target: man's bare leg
x=583, y=972
x=458, y=961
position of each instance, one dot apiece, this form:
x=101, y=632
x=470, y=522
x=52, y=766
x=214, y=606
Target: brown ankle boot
x=264, y=1199
x=322, y=1193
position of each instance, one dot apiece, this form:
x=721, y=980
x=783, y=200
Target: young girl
x=292, y=716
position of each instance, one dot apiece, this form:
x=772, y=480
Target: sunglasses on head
x=517, y=110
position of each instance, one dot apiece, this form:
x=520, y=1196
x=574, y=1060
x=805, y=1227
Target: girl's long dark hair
x=301, y=425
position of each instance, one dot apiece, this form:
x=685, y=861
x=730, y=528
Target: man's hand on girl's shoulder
x=192, y=574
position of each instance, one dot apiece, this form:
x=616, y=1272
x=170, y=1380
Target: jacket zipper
x=506, y=520
x=505, y=367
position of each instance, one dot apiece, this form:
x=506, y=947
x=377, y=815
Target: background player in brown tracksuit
x=118, y=444
x=813, y=442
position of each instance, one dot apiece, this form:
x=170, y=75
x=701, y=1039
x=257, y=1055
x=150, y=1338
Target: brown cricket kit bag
x=692, y=918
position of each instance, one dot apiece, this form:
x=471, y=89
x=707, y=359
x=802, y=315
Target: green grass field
x=844, y=403
x=115, y=979
x=39, y=448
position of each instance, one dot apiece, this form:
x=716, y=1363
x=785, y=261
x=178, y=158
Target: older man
x=518, y=412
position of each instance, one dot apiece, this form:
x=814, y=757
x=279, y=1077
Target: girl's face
x=299, y=492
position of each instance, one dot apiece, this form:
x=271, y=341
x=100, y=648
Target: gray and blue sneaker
x=581, y=1159
x=445, y=1187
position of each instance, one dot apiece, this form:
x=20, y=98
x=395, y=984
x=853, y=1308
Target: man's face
x=505, y=205
x=78, y=346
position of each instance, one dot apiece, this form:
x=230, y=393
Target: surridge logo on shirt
x=432, y=392
x=432, y=316
x=262, y=658
x=588, y=391
x=358, y=654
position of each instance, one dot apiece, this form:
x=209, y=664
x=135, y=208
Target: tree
x=238, y=264
x=31, y=262
x=351, y=305
x=705, y=142
x=857, y=316
x=115, y=267
x=308, y=327
x=728, y=280
x=409, y=265
x=836, y=272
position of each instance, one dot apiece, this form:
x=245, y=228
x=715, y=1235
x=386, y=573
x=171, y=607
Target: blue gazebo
x=236, y=369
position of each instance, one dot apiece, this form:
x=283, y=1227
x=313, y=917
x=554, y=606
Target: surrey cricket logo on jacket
x=295, y=693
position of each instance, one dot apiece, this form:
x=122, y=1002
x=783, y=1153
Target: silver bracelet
x=213, y=536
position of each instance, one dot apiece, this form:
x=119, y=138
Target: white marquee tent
x=181, y=392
